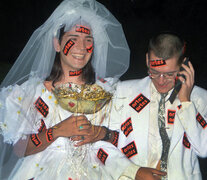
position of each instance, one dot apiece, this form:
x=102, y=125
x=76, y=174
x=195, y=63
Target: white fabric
x=182, y=162
x=61, y=160
x=110, y=58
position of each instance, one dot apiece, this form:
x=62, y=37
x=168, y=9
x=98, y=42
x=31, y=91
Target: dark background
x=140, y=19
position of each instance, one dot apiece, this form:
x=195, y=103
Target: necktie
x=163, y=134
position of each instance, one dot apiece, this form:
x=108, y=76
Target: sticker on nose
x=67, y=47
x=90, y=49
x=157, y=63
x=82, y=29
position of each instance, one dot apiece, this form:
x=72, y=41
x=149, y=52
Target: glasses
x=167, y=75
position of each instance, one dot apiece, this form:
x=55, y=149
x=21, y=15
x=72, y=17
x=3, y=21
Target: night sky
x=140, y=19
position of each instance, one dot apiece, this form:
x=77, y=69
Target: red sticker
x=42, y=107
x=82, y=29
x=186, y=143
x=180, y=106
x=75, y=73
x=102, y=155
x=116, y=137
x=171, y=116
x=35, y=139
x=139, y=103
x=126, y=127
x=101, y=79
x=90, y=49
x=157, y=63
x=201, y=120
x=67, y=47
x=42, y=126
x=130, y=150
x=49, y=135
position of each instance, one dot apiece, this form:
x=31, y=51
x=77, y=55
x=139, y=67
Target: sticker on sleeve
x=116, y=137
x=201, y=120
x=139, y=103
x=82, y=29
x=42, y=107
x=90, y=49
x=49, y=135
x=171, y=116
x=186, y=143
x=102, y=155
x=157, y=63
x=130, y=150
x=67, y=47
x=42, y=126
x=75, y=73
x=126, y=127
x=35, y=139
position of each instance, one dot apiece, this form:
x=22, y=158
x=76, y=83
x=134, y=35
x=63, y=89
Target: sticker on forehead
x=90, y=49
x=157, y=63
x=67, y=47
x=82, y=29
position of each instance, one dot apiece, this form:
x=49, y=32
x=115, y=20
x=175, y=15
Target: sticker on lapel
x=42, y=107
x=170, y=116
x=126, y=127
x=157, y=63
x=179, y=107
x=201, y=120
x=42, y=126
x=102, y=155
x=186, y=143
x=139, y=102
x=130, y=150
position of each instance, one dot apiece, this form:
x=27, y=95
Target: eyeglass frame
x=159, y=74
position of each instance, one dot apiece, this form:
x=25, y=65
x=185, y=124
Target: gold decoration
x=86, y=99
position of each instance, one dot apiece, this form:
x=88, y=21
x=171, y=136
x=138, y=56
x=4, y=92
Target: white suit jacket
x=131, y=110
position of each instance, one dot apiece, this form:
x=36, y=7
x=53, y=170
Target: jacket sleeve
x=114, y=162
x=193, y=116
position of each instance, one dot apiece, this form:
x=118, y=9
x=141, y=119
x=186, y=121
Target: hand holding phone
x=178, y=83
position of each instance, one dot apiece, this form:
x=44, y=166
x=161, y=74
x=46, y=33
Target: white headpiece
x=110, y=56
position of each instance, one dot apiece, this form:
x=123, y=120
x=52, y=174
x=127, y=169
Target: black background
x=140, y=20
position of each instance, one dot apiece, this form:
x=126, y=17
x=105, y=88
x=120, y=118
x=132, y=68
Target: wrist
x=108, y=134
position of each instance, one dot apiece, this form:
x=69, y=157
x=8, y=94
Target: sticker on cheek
x=157, y=63
x=90, y=49
x=67, y=47
x=82, y=29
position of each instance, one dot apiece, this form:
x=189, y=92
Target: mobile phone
x=178, y=84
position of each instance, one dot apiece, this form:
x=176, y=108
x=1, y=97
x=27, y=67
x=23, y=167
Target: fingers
x=157, y=172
